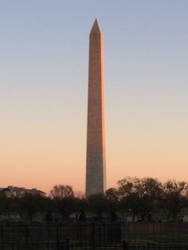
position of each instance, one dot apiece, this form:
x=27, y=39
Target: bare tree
x=60, y=192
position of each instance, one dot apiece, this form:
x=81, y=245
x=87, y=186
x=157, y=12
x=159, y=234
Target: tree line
x=138, y=199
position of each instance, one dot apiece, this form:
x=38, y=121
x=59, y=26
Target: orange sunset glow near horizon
x=44, y=85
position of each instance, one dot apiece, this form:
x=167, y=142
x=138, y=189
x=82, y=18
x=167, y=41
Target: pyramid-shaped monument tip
x=96, y=27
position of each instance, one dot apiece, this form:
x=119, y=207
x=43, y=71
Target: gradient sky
x=43, y=89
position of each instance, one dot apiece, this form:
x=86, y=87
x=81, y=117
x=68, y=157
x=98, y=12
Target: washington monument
x=95, y=162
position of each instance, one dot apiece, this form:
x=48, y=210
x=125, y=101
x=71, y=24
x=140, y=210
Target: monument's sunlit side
x=96, y=162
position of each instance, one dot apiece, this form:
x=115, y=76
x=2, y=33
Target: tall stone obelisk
x=96, y=162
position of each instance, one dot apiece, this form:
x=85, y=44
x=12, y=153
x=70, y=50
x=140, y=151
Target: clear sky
x=43, y=89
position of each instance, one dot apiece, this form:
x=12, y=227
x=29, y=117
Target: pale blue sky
x=43, y=88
